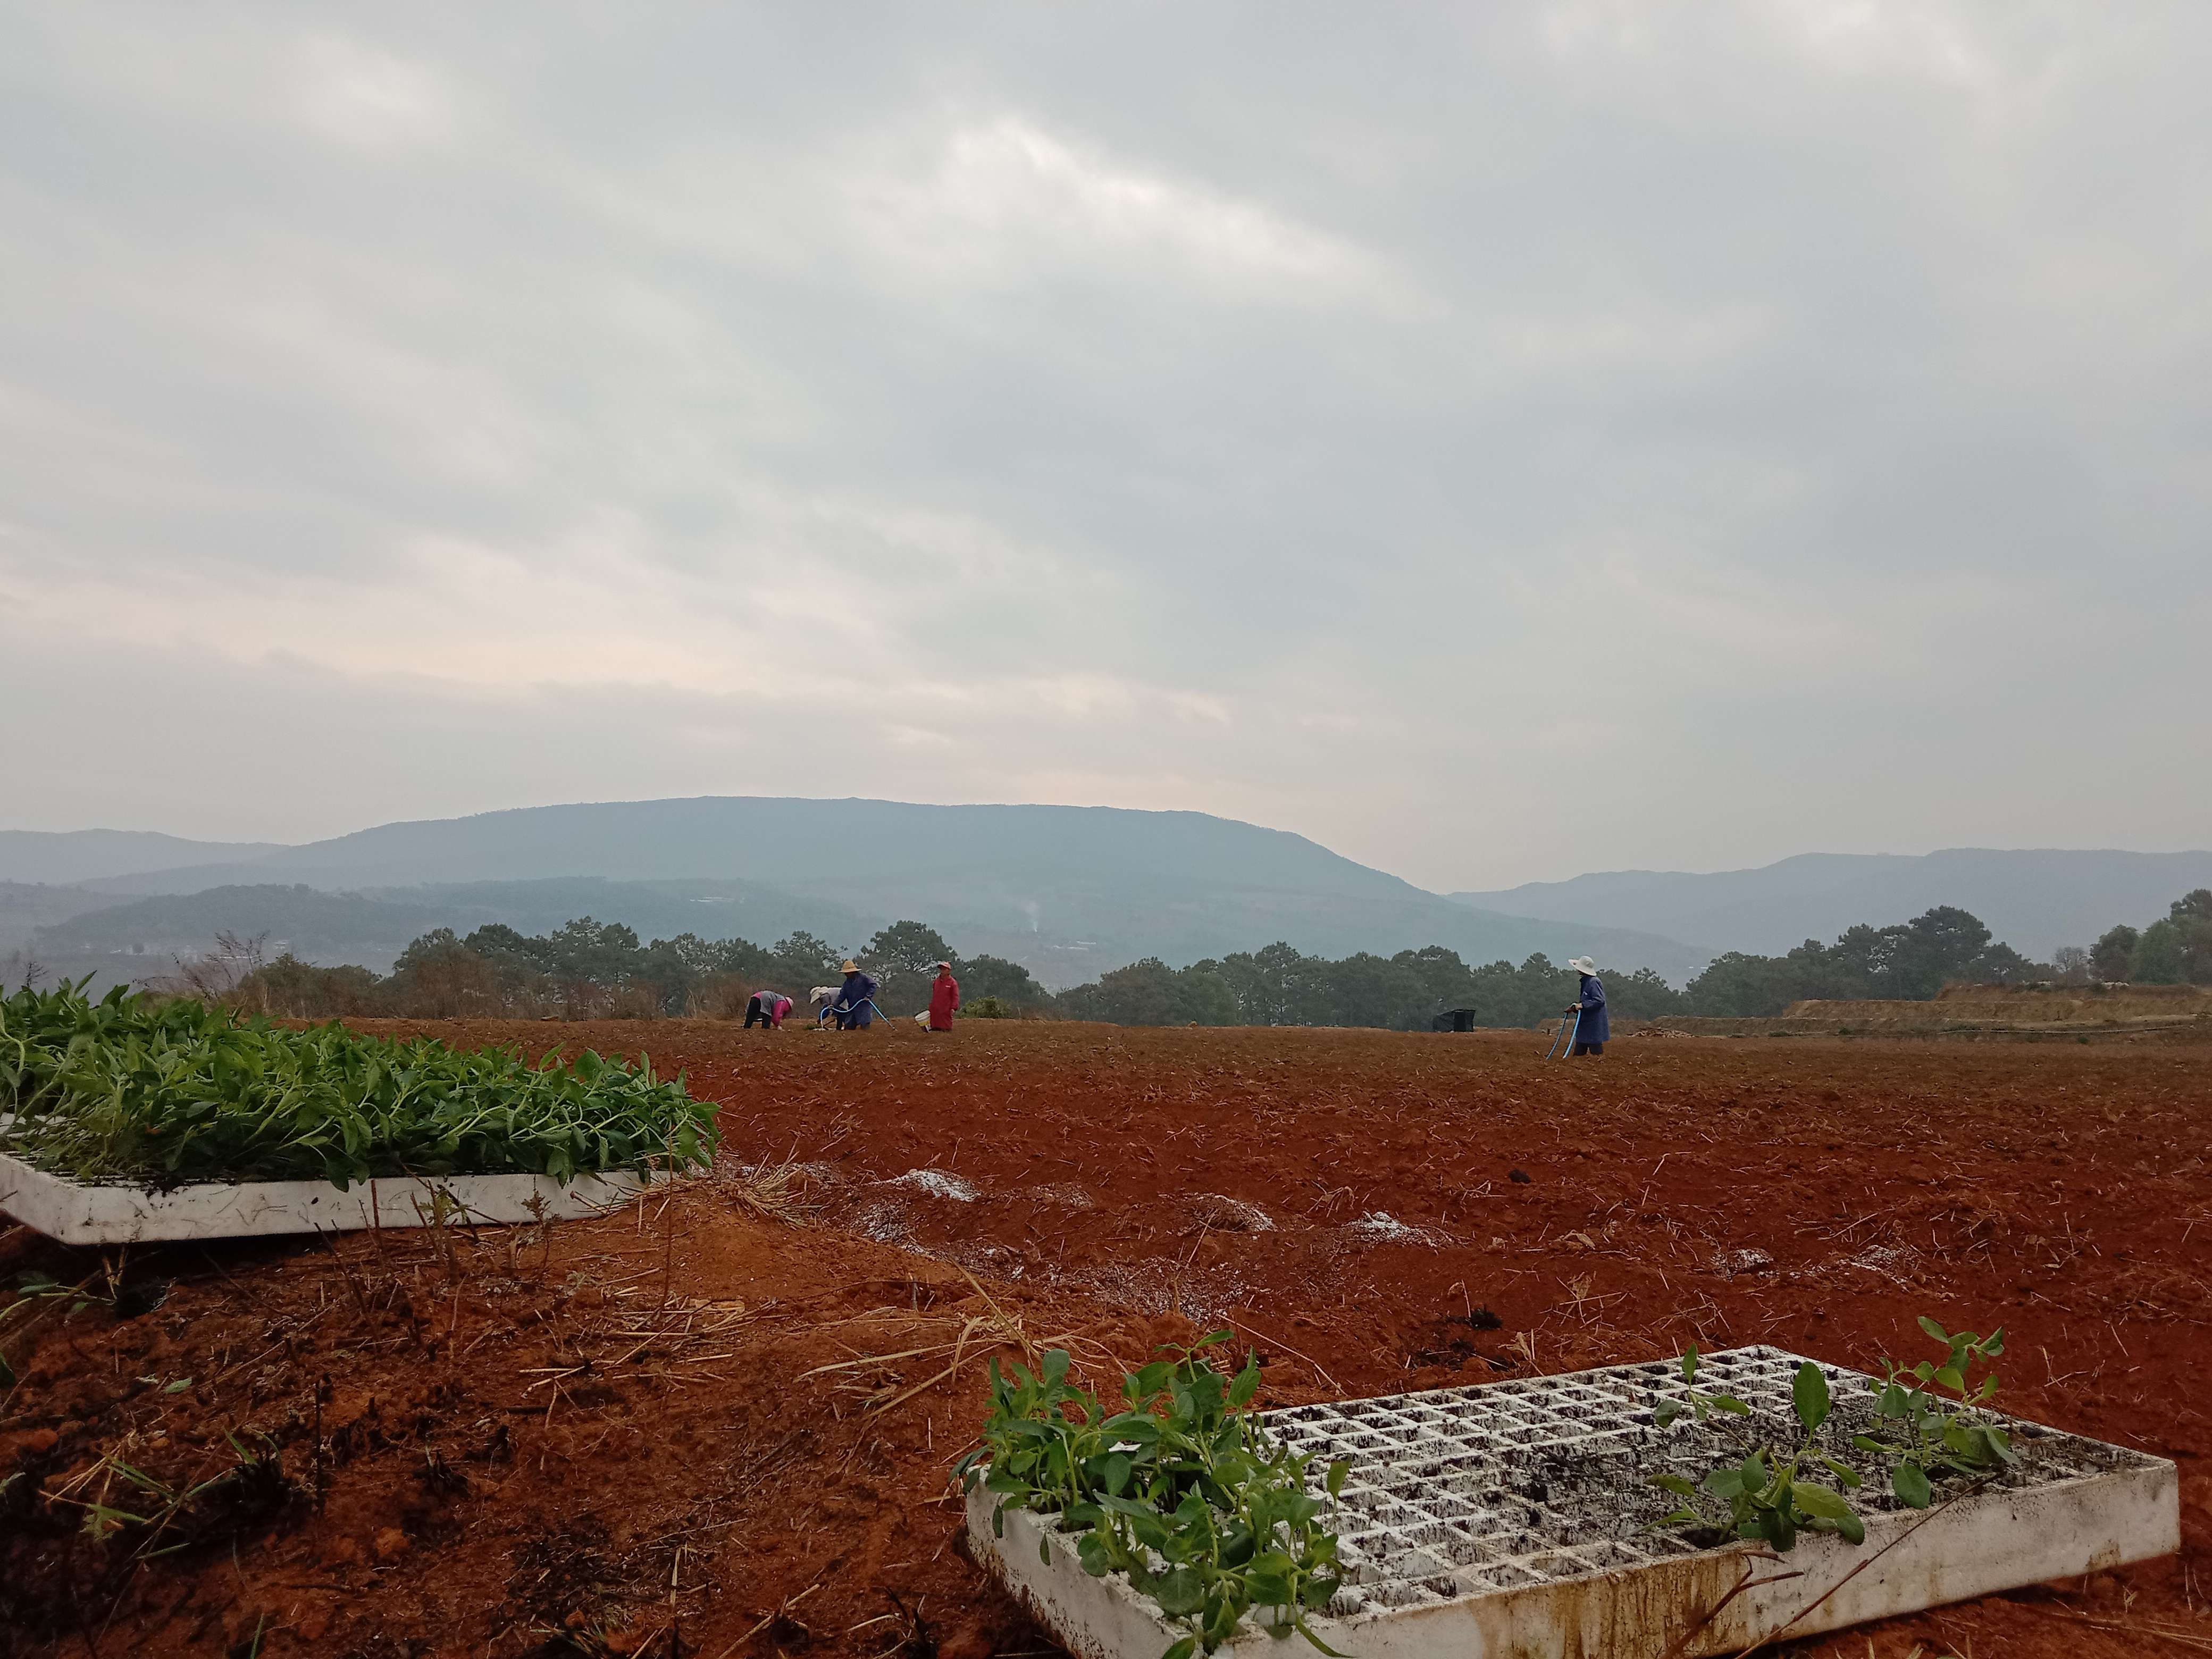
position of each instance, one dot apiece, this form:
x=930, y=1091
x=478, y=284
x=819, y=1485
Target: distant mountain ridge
x=59, y=856
x=797, y=841
x=1068, y=891
x=2035, y=900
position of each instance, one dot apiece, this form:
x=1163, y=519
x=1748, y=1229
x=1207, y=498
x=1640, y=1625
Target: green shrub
x=130, y=1089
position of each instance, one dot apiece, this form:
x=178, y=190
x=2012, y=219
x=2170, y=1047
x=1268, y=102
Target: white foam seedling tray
x=1513, y=1520
x=82, y=1212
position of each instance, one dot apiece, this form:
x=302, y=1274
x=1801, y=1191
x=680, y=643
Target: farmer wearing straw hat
x=854, y=1007
x=1593, y=1027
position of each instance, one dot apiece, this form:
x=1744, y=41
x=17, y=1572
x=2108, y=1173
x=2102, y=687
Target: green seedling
x=1767, y=1493
x=1180, y=1490
x=1926, y=1435
x=128, y=1087
x=1699, y=1404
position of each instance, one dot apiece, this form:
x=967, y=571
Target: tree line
x=1280, y=986
x=2175, y=950
x=1905, y=960
x=590, y=970
x=1406, y=991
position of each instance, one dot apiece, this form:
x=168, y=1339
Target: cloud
x=1498, y=443
x=1006, y=200
x=226, y=72
x=362, y=95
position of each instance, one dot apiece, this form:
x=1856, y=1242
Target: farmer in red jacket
x=943, y=998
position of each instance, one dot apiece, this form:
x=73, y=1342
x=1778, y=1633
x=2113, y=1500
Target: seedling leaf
x=1247, y=1384
x=1809, y=1393
x=1910, y=1482
x=1816, y=1500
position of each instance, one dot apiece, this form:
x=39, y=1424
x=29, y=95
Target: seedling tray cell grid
x=1517, y=1518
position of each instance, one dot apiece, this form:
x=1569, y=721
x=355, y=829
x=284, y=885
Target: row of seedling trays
x=130, y=1118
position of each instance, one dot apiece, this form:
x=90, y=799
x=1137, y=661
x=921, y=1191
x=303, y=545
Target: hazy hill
x=135, y=939
x=2036, y=901
x=26, y=907
x=74, y=855
x=1068, y=891
x=655, y=909
x=793, y=843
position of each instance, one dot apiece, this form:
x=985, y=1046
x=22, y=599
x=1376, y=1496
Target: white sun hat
x=1582, y=965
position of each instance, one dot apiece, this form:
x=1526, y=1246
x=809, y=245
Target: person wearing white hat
x=1592, y=1028
x=767, y=1008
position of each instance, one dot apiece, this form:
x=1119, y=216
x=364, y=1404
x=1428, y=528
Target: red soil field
x=605, y=1439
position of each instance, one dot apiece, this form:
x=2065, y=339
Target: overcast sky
x=1495, y=441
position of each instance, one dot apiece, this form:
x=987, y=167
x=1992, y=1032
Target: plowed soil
x=619, y=1436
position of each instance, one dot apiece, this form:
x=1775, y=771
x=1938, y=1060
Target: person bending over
x=767, y=1008
x=1594, y=1027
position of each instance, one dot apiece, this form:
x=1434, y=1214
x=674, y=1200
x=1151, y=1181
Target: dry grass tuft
x=958, y=1336
x=774, y=1192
